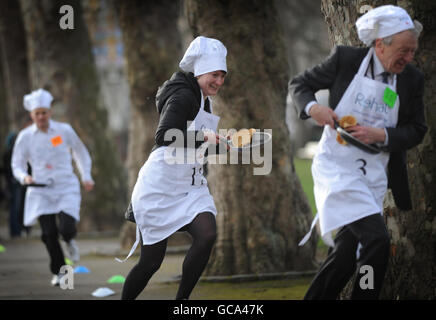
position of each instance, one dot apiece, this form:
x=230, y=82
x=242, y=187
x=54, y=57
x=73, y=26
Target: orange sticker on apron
x=56, y=141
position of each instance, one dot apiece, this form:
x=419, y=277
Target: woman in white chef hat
x=54, y=190
x=171, y=196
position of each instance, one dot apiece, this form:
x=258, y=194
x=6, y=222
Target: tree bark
x=151, y=59
x=62, y=61
x=261, y=218
x=14, y=62
x=4, y=113
x=412, y=261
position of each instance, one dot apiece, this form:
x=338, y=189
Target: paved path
x=24, y=272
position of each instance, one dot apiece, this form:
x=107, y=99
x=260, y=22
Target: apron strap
x=307, y=236
x=365, y=63
x=201, y=100
x=371, y=65
x=133, y=247
x=327, y=238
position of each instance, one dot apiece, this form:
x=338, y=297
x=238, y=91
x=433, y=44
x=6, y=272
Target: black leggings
x=203, y=232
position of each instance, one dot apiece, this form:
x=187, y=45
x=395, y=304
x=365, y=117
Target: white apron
x=350, y=184
x=169, y=195
x=45, y=200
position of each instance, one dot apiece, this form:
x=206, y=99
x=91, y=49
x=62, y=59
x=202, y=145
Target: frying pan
x=258, y=139
x=369, y=148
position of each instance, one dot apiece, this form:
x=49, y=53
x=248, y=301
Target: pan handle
x=36, y=184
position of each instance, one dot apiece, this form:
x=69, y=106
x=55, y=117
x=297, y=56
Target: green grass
x=283, y=289
x=304, y=172
x=303, y=169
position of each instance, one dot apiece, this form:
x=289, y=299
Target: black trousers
x=50, y=236
x=341, y=262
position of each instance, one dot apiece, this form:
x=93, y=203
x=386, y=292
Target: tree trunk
x=412, y=261
x=151, y=59
x=14, y=62
x=4, y=117
x=14, y=81
x=62, y=61
x=261, y=218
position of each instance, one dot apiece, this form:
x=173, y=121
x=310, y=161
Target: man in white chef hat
x=379, y=87
x=54, y=190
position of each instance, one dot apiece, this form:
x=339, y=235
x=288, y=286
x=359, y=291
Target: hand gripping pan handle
x=369, y=148
x=258, y=139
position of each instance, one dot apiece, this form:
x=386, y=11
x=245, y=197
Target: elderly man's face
x=41, y=117
x=399, y=53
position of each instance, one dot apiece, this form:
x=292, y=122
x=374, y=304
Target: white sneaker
x=55, y=281
x=73, y=250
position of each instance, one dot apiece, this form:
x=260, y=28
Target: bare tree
x=260, y=218
x=151, y=59
x=153, y=48
x=14, y=62
x=4, y=114
x=61, y=60
x=411, y=272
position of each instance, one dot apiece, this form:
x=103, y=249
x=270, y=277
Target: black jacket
x=336, y=73
x=178, y=101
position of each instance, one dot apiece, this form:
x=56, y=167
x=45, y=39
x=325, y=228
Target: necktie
x=385, y=76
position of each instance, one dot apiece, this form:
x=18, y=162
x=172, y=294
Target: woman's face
x=211, y=82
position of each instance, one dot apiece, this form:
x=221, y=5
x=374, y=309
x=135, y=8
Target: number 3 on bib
x=362, y=163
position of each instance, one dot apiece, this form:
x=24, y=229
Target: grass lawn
x=303, y=169
x=304, y=172
x=284, y=289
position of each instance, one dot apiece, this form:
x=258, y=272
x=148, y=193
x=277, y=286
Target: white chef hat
x=204, y=55
x=382, y=22
x=37, y=99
